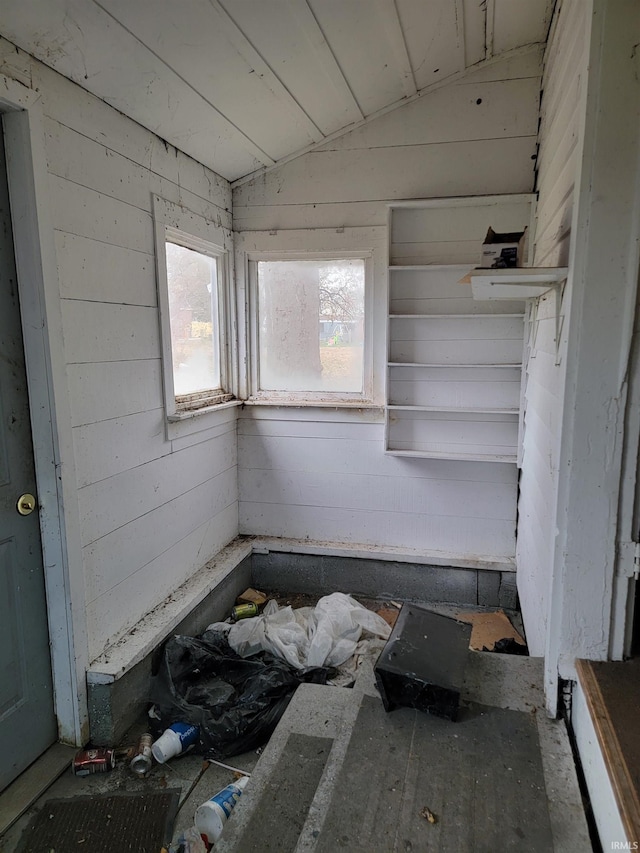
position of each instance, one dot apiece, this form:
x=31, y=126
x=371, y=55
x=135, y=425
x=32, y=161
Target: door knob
x=26, y=504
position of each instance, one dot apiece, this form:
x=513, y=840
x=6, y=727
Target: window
x=310, y=328
x=192, y=295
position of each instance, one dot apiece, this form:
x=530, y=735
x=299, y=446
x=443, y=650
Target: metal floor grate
x=139, y=823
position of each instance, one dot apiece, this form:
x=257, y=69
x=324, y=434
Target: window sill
x=200, y=424
x=314, y=404
x=186, y=414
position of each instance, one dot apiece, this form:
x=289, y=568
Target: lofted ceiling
x=244, y=84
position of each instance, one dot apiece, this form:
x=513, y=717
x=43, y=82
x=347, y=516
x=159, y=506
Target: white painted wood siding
x=328, y=479
x=473, y=137
x=324, y=474
x=560, y=126
x=152, y=511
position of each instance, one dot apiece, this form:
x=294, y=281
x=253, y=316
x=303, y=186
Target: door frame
x=49, y=404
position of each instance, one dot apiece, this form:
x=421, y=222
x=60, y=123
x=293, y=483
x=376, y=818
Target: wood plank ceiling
x=241, y=85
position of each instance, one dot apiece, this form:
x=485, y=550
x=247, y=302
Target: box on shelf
x=502, y=251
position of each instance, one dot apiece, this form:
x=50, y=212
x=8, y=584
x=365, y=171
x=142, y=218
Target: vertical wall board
x=560, y=153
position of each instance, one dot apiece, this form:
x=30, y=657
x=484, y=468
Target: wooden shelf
x=517, y=365
x=419, y=267
x=460, y=457
x=515, y=283
x=450, y=316
x=451, y=403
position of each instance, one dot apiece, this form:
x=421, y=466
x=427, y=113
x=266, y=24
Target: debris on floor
x=235, y=703
x=428, y=815
x=489, y=628
x=389, y=614
x=423, y=664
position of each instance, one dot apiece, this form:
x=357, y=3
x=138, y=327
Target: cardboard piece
x=252, y=596
x=389, y=614
x=488, y=628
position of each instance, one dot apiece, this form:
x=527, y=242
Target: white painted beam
x=316, y=37
x=264, y=71
x=388, y=13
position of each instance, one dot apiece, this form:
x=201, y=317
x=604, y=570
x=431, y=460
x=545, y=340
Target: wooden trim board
x=626, y=793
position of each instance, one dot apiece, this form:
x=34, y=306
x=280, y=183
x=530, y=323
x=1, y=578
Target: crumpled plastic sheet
x=325, y=635
x=237, y=703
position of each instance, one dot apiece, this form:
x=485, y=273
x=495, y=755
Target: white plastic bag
x=338, y=622
x=326, y=635
x=277, y=631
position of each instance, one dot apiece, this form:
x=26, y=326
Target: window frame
x=322, y=398
x=176, y=224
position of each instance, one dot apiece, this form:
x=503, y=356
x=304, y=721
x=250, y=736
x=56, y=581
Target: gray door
x=27, y=722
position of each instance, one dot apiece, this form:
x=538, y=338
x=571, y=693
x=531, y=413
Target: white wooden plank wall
x=473, y=137
x=325, y=475
x=563, y=81
x=153, y=511
x=330, y=480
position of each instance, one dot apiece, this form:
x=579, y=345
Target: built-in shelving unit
x=454, y=363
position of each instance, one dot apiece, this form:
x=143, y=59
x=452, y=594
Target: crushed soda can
x=88, y=761
x=142, y=760
x=244, y=611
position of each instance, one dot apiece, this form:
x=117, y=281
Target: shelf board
x=515, y=283
x=422, y=267
x=517, y=365
x=456, y=410
x=462, y=457
x=450, y=316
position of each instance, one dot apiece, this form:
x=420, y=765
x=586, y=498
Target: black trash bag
x=235, y=701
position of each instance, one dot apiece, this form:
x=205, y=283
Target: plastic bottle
x=174, y=740
x=211, y=816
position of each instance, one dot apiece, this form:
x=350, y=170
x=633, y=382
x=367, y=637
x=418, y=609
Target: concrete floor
x=500, y=681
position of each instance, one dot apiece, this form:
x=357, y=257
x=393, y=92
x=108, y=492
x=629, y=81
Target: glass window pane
x=193, y=316
x=311, y=325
